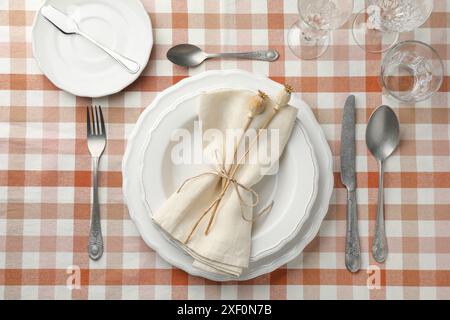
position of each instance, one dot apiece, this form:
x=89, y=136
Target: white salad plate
x=77, y=66
x=132, y=178
x=292, y=187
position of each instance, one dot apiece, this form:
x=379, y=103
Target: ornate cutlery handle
x=379, y=245
x=131, y=65
x=352, y=248
x=264, y=55
x=95, y=247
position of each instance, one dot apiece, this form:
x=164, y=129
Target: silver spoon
x=188, y=55
x=382, y=138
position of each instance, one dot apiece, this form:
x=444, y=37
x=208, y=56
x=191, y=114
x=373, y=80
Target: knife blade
x=59, y=19
x=348, y=178
x=348, y=153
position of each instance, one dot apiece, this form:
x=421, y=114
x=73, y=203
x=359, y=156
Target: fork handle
x=95, y=247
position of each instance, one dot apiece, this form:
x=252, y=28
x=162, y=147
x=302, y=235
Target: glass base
x=305, y=42
x=371, y=39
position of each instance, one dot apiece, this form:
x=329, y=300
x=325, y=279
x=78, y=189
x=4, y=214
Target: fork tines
x=95, y=122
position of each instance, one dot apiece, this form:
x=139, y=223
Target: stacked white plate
x=149, y=175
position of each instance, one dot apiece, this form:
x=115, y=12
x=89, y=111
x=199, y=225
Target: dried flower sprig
x=256, y=106
x=281, y=100
x=283, y=97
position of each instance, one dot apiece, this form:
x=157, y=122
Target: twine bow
x=222, y=173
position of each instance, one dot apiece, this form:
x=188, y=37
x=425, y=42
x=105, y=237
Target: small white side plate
x=77, y=66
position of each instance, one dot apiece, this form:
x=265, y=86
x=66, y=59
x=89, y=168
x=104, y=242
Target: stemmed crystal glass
x=308, y=37
x=376, y=28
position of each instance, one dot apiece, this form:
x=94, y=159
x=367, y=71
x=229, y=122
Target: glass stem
x=310, y=35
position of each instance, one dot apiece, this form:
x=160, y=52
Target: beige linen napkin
x=226, y=249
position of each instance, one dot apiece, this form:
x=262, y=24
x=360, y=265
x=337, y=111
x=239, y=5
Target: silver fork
x=96, y=140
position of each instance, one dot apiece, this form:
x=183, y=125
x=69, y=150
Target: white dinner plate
x=293, y=188
x=77, y=66
x=132, y=179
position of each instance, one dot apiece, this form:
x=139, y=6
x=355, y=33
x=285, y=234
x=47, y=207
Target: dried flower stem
x=282, y=100
x=256, y=107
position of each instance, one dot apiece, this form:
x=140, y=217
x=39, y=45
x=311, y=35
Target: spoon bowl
x=382, y=133
x=382, y=138
x=186, y=55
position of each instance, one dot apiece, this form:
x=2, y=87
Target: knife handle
x=130, y=65
x=352, y=248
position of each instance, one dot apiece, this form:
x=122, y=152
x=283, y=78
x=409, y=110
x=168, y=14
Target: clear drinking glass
x=376, y=28
x=308, y=37
x=412, y=71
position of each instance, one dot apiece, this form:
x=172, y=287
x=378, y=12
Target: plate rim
x=80, y=93
x=173, y=107
x=297, y=248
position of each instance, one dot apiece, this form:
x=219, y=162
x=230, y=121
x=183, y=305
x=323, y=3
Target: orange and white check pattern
x=45, y=168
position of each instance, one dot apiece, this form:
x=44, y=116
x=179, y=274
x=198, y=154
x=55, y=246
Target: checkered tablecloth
x=45, y=167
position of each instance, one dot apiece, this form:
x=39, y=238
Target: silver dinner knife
x=68, y=26
x=348, y=178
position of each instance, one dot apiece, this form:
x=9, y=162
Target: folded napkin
x=226, y=248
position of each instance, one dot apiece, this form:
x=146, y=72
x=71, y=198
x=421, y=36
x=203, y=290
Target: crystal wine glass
x=376, y=28
x=308, y=37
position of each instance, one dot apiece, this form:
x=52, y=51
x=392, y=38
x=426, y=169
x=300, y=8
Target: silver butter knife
x=68, y=26
x=348, y=178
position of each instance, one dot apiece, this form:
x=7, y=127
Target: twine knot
x=223, y=174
